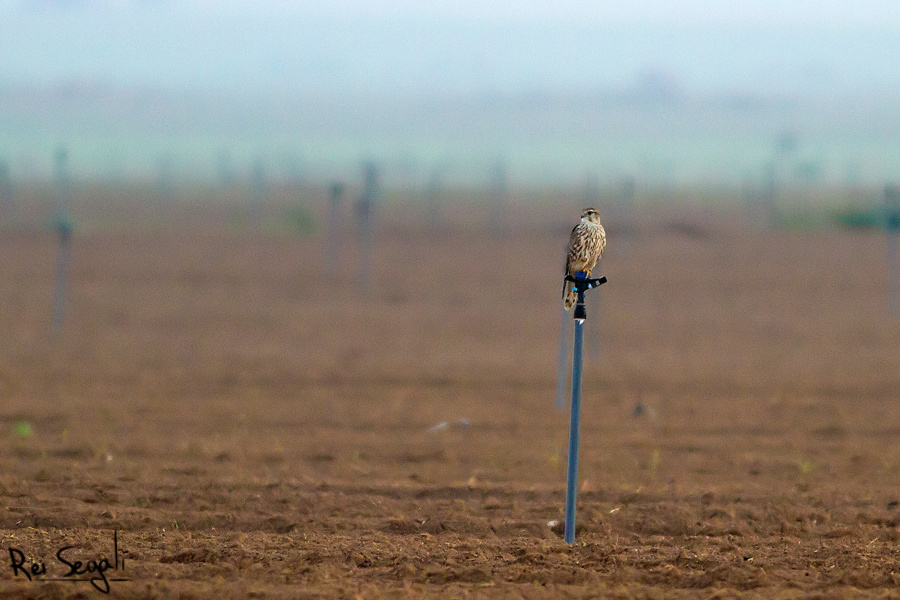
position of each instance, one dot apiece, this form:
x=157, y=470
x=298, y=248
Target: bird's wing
x=602, y=232
x=574, y=247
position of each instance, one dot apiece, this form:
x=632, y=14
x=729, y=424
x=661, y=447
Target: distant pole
x=770, y=194
x=64, y=227
x=500, y=187
x=6, y=190
x=334, y=225
x=785, y=146
x=365, y=209
x=59, y=296
x=433, y=199
x=892, y=229
x=258, y=190
x=852, y=178
x=293, y=169
x=581, y=284
x=60, y=184
x=562, y=360
x=748, y=199
x=628, y=186
x=626, y=201
x=225, y=169
x=164, y=186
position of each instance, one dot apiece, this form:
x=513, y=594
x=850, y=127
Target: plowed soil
x=254, y=423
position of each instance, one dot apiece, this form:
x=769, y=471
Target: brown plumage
x=586, y=244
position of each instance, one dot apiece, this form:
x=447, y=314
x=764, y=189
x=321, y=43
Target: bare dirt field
x=256, y=427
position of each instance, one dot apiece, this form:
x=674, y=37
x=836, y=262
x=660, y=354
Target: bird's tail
x=569, y=295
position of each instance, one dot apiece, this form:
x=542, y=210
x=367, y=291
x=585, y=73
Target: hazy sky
x=829, y=13
x=362, y=69
x=414, y=46
x=759, y=12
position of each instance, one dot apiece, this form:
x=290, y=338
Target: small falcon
x=586, y=245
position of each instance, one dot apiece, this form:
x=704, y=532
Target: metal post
x=581, y=284
x=749, y=198
x=561, y=364
x=770, y=195
x=433, y=199
x=365, y=209
x=626, y=200
x=334, y=224
x=501, y=196
x=60, y=185
x=225, y=169
x=892, y=229
x=257, y=189
x=893, y=275
x=62, y=267
x=164, y=186
x=6, y=195
x=574, y=431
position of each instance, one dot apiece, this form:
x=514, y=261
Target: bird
x=586, y=244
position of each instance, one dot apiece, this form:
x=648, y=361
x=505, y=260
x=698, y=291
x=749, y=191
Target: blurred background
x=683, y=93
x=250, y=250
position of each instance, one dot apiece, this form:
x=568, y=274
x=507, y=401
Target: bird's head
x=590, y=215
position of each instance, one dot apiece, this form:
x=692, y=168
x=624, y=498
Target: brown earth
x=255, y=427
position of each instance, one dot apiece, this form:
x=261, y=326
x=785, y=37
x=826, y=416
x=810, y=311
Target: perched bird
x=586, y=245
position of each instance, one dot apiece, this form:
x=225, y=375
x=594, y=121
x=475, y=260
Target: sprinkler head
x=580, y=312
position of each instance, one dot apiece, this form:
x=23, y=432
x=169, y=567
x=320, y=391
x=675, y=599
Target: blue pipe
x=65, y=236
x=574, y=428
x=893, y=274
